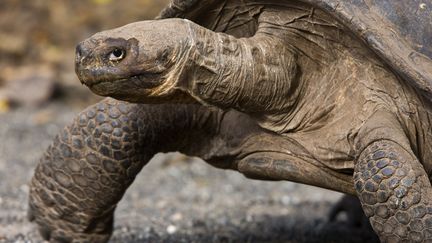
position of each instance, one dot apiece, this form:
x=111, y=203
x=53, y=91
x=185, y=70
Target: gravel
x=174, y=199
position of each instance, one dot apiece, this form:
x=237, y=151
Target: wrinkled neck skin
x=244, y=73
x=269, y=74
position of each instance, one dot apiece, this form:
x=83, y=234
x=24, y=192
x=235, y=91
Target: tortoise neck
x=252, y=75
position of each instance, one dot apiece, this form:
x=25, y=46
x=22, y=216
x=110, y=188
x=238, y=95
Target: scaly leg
x=395, y=192
x=87, y=169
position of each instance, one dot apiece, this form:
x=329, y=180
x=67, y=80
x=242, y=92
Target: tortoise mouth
x=142, y=81
x=123, y=86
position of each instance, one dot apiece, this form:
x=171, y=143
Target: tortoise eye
x=116, y=55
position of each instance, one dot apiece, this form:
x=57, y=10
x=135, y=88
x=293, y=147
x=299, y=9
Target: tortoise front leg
x=87, y=169
x=395, y=192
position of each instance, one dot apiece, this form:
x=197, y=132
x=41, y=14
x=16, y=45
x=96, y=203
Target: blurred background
x=37, y=43
x=174, y=198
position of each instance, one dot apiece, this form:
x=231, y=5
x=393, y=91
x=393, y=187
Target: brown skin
x=300, y=99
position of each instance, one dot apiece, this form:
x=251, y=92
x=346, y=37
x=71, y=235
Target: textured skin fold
x=397, y=31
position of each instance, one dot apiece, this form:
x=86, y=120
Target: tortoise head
x=134, y=61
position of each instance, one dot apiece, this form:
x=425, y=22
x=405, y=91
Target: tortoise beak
x=90, y=69
x=81, y=52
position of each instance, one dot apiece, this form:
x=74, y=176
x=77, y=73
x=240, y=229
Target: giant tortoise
x=335, y=94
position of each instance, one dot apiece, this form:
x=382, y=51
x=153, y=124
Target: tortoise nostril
x=80, y=52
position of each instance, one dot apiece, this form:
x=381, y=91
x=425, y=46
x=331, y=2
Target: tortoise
x=335, y=94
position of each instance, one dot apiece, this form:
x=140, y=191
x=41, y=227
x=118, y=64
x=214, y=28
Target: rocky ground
x=174, y=199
